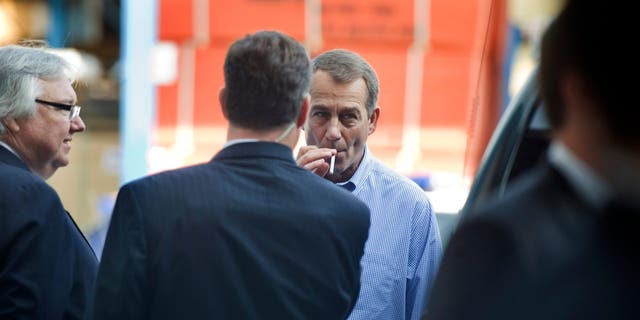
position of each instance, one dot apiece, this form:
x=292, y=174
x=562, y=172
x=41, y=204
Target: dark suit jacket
x=539, y=253
x=47, y=268
x=249, y=235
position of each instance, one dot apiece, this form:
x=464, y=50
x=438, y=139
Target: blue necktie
x=349, y=186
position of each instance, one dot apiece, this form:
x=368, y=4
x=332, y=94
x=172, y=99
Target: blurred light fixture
x=8, y=32
x=88, y=68
x=164, y=63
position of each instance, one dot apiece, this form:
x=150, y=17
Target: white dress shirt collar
x=592, y=188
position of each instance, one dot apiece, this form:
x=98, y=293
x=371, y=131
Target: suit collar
x=11, y=159
x=556, y=185
x=582, y=178
x=256, y=149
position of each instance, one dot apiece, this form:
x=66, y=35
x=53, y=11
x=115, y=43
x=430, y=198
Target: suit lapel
x=80, y=233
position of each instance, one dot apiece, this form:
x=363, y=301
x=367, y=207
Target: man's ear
x=373, y=119
x=302, y=117
x=11, y=124
x=222, y=98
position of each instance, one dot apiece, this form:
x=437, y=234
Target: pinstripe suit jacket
x=249, y=235
x=47, y=268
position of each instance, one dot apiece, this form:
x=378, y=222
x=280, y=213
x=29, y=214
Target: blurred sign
x=175, y=20
x=164, y=63
x=234, y=19
x=368, y=20
x=229, y=19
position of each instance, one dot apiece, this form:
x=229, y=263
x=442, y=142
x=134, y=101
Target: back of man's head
x=20, y=69
x=267, y=77
x=592, y=40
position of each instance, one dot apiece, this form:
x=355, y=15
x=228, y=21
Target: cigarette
x=333, y=162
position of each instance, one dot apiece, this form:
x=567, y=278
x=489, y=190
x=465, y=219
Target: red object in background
x=460, y=80
x=236, y=18
x=175, y=21
x=208, y=81
x=383, y=22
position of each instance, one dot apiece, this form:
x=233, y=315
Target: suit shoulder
x=17, y=176
x=525, y=195
x=27, y=200
x=164, y=178
x=21, y=183
x=533, y=206
x=327, y=194
x=346, y=200
x=345, y=210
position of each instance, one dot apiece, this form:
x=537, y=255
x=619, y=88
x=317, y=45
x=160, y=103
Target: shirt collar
x=6, y=146
x=362, y=171
x=587, y=184
x=236, y=141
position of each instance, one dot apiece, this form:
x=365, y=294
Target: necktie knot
x=349, y=186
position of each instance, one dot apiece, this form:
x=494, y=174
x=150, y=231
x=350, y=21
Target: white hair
x=20, y=69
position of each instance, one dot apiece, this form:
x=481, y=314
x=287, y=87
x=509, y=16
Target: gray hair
x=345, y=66
x=20, y=69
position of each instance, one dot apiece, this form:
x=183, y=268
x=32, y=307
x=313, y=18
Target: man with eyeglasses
x=47, y=268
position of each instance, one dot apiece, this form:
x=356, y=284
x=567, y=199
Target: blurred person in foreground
x=47, y=268
x=404, y=247
x=562, y=243
x=249, y=235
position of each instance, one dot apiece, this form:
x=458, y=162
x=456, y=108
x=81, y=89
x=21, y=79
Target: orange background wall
x=457, y=57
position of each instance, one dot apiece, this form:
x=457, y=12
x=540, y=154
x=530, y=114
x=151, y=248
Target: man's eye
x=350, y=116
x=320, y=114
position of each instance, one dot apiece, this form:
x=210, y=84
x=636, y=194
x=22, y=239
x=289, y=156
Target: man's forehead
x=340, y=107
x=324, y=77
x=331, y=101
x=342, y=92
x=61, y=90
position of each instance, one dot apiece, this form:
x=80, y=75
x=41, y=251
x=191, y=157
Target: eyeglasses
x=74, y=111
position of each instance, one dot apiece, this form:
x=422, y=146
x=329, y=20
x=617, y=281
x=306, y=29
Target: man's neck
x=591, y=187
x=287, y=135
x=619, y=167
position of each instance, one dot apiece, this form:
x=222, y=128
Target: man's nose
x=77, y=125
x=333, y=131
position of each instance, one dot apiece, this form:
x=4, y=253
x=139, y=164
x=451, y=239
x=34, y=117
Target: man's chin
x=336, y=177
x=59, y=163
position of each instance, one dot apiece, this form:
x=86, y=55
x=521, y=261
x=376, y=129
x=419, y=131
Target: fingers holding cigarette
x=316, y=160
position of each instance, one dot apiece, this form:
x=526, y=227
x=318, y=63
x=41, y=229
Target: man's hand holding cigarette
x=316, y=160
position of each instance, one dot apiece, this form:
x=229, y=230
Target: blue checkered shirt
x=403, y=250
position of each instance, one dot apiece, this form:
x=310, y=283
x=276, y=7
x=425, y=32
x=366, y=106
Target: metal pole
x=137, y=104
x=58, y=25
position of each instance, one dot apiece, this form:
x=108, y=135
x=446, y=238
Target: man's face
x=44, y=140
x=338, y=120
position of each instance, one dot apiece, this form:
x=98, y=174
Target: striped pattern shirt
x=403, y=250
